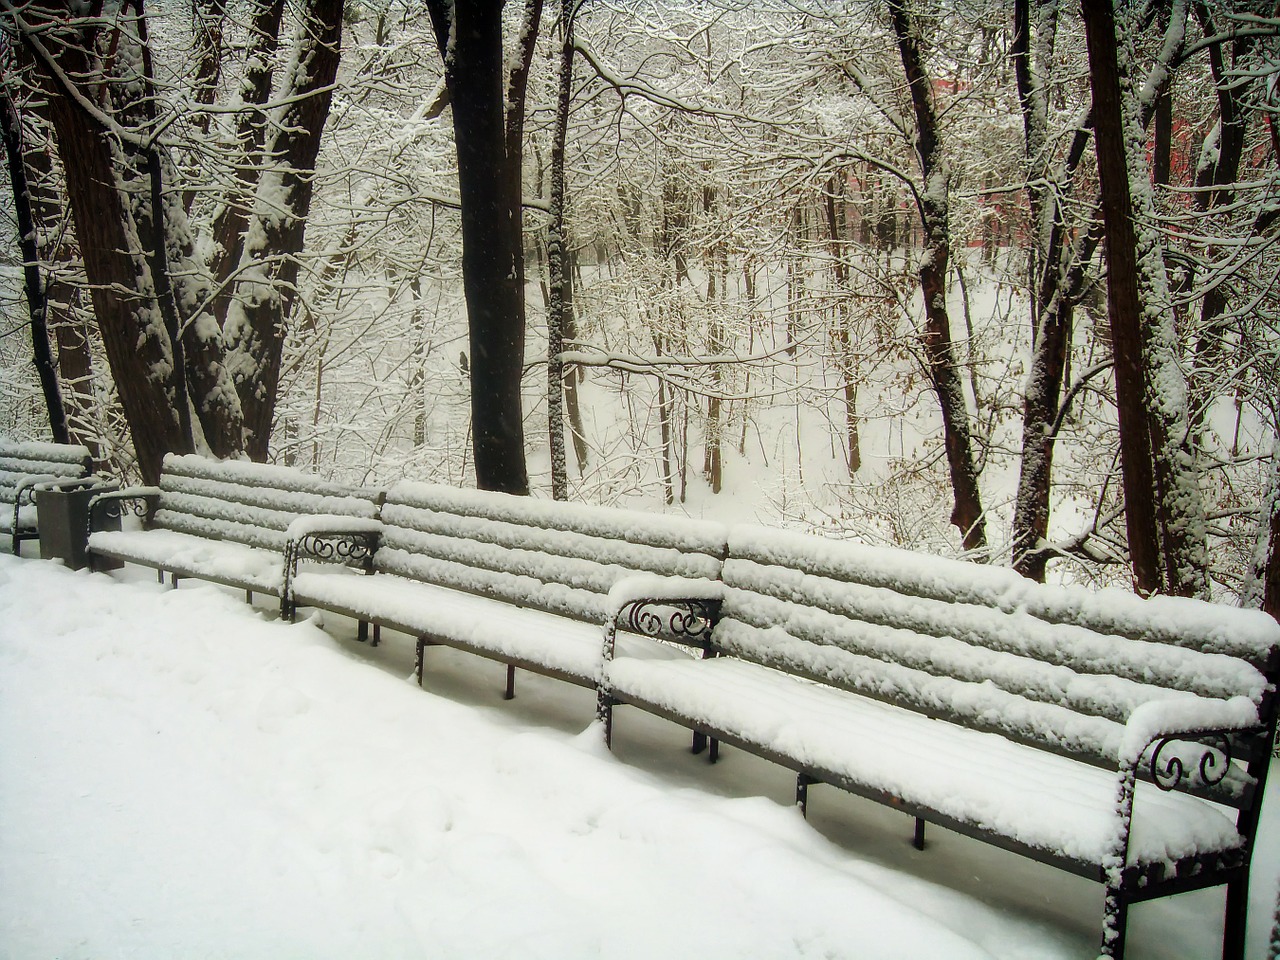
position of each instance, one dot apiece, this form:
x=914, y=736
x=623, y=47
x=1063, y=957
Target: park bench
x=25, y=465
x=1124, y=740
x=226, y=522
x=1121, y=739
x=521, y=581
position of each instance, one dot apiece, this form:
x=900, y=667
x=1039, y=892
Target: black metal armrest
x=679, y=609
x=24, y=490
x=114, y=504
x=350, y=541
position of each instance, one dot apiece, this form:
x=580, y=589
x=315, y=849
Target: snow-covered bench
x=24, y=465
x=518, y=580
x=228, y=522
x=1124, y=740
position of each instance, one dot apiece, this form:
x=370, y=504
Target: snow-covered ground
x=182, y=776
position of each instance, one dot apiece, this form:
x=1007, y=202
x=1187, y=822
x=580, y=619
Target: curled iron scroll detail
x=687, y=620
x=1206, y=763
x=337, y=547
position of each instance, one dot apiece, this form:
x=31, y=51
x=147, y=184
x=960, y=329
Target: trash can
x=62, y=510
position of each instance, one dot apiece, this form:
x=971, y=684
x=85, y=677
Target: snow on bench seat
x=217, y=561
x=542, y=642
x=515, y=579
x=939, y=770
x=226, y=521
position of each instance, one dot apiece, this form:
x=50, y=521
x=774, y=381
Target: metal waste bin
x=62, y=510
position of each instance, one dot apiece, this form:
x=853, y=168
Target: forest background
x=990, y=278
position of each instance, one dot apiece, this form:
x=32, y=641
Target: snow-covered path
x=182, y=776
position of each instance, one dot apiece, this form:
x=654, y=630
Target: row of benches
x=1123, y=740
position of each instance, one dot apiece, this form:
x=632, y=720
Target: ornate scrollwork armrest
x=688, y=619
x=670, y=608
x=350, y=541
x=116, y=504
x=348, y=547
x=1200, y=760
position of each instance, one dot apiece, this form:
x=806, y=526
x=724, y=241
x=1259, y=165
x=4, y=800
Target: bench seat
x=226, y=522
x=515, y=579
x=976, y=783
x=257, y=569
x=532, y=639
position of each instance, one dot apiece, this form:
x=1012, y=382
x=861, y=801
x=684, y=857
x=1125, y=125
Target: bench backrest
x=20, y=460
x=249, y=503
x=544, y=554
x=1060, y=667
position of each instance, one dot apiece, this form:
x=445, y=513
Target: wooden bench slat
x=1214, y=628
x=1083, y=651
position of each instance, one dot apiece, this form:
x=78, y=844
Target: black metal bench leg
x=803, y=781
x=699, y=742
x=1233, y=934
x=1115, y=918
x=248, y=596
x=917, y=840
x=419, y=660
x=604, y=713
x=713, y=753
x=510, y=692
x=362, y=631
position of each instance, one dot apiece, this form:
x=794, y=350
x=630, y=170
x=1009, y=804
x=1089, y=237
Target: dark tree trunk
x=1051, y=310
x=37, y=300
x=470, y=40
x=1124, y=306
x=841, y=335
x=255, y=89
x=967, y=515
x=559, y=303
x=133, y=334
x=264, y=300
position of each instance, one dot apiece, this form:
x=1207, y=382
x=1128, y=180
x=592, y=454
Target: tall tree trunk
x=64, y=289
x=469, y=36
x=1051, y=309
x=841, y=336
x=133, y=332
x=1215, y=179
x=268, y=274
x=232, y=219
x=933, y=202
x=37, y=300
x=559, y=304
x=1162, y=506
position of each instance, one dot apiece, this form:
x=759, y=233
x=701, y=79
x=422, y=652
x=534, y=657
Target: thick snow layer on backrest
x=1248, y=634
x=43, y=452
x=975, y=637
x=607, y=523
x=19, y=461
x=511, y=585
x=752, y=622
x=249, y=503
x=554, y=555
x=248, y=474
x=893, y=625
